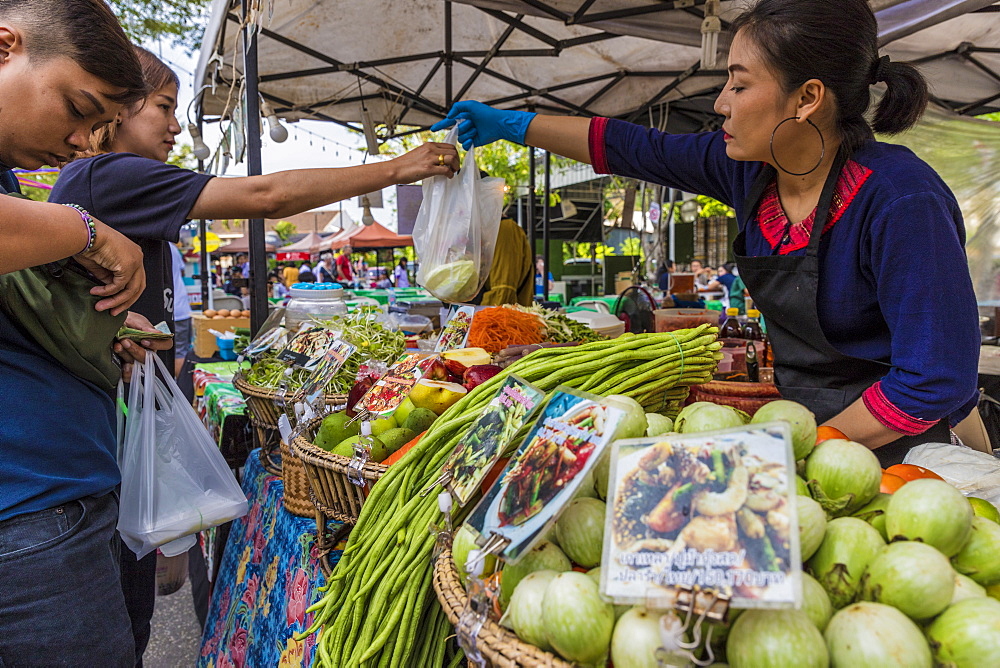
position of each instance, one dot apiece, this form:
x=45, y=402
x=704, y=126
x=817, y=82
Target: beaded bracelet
x=91, y=228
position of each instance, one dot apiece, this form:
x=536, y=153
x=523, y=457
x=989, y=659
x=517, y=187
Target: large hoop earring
x=822, y=144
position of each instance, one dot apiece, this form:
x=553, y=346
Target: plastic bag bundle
x=175, y=482
x=455, y=232
x=972, y=472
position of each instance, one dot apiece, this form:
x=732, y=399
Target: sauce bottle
x=752, y=330
x=731, y=327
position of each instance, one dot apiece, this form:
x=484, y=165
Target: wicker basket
x=747, y=397
x=264, y=412
x=498, y=646
x=298, y=500
x=335, y=496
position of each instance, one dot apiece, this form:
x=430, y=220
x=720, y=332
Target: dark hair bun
x=836, y=41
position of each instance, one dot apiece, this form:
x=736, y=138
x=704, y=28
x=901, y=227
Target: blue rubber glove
x=479, y=124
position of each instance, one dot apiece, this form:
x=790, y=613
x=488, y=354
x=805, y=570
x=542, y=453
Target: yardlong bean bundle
x=378, y=608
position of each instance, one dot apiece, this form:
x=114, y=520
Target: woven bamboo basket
x=500, y=647
x=298, y=497
x=747, y=397
x=335, y=496
x=264, y=412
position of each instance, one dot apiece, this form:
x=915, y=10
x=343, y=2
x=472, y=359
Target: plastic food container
x=313, y=300
x=226, y=351
x=671, y=319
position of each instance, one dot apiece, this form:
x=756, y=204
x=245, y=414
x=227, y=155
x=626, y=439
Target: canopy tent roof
x=310, y=243
x=403, y=61
x=367, y=237
x=240, y=245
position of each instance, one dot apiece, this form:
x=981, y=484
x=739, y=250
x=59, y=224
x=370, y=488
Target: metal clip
x=355, y=468
x=442, y=481
x=442, y=535
x=494, y=544
x=705, y=603
x=474, y=616
x=364, y=415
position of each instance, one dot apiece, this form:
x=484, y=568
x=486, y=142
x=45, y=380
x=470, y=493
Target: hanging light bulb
x=201, y=151
x=366, y=217
x=276, y=130
x=711, y=26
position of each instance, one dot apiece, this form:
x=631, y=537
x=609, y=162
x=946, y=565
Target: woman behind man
x=66, y=68
x=125, y=180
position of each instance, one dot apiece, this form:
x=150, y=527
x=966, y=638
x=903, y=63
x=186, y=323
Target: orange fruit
x=890, y=483
x=912, y=472
x=825, y=433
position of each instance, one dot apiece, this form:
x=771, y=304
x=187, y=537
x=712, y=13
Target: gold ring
x=441, y=160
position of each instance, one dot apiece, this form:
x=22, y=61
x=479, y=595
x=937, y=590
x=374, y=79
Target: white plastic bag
x=456, y=228
x=972, y=472
x=175, y=482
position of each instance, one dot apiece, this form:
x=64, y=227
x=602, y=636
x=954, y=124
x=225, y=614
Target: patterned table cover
x=269, y=576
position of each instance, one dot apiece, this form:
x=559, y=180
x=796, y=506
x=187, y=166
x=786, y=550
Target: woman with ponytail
x=853, y=249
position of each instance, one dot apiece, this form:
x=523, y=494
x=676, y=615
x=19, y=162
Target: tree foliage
x=180, y=21
x=285, y=229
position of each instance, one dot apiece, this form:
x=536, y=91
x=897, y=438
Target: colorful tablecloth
x=269, y=576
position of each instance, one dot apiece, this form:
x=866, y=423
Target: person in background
x=325, y=271
x=360, y=268
x=510, y=280
x=242, y=265
x=182, y=311
x=290, y=275
x=663, y=275
x=345, y=274
x=539, y=272
x=382, y=280
x=124, y=176
x=278, y=289
x=306, y=275
x=724, y=282
x=401, y=275
x=696, y=268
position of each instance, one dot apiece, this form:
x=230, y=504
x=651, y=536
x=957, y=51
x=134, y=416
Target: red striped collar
x=773, y=222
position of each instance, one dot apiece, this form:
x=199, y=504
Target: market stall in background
x=594, y=476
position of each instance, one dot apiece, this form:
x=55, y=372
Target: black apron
x=807, y=368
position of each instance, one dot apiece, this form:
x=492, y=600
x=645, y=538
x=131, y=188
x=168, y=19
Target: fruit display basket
x=331, y=493
x=499, y=646
x=264, y=408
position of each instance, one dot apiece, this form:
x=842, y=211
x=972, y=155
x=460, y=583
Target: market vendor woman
x=852, y=248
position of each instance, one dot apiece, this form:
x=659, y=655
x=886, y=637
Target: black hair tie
x=881, y=70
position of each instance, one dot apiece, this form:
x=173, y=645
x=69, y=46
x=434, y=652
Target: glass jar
x=308, y=301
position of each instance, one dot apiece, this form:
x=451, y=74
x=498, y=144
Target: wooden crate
x=204, y=340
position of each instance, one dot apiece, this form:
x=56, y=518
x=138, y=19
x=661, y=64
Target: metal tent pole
x=206, y=262
x=546, y=225
x=531, y=205
x=258, y=253
x=671, y=226
x=448, y=63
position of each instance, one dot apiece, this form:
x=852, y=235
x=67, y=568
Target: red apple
x=479, y=374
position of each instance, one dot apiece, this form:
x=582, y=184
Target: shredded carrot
x=495, y=328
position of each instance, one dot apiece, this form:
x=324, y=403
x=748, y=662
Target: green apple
x=334, y=429
x=346, y=448
x=383, y=424
x=403, y=411
x=419, y=420
x=396, y=438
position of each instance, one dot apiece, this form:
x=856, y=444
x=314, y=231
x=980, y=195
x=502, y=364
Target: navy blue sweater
x=894, y=278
